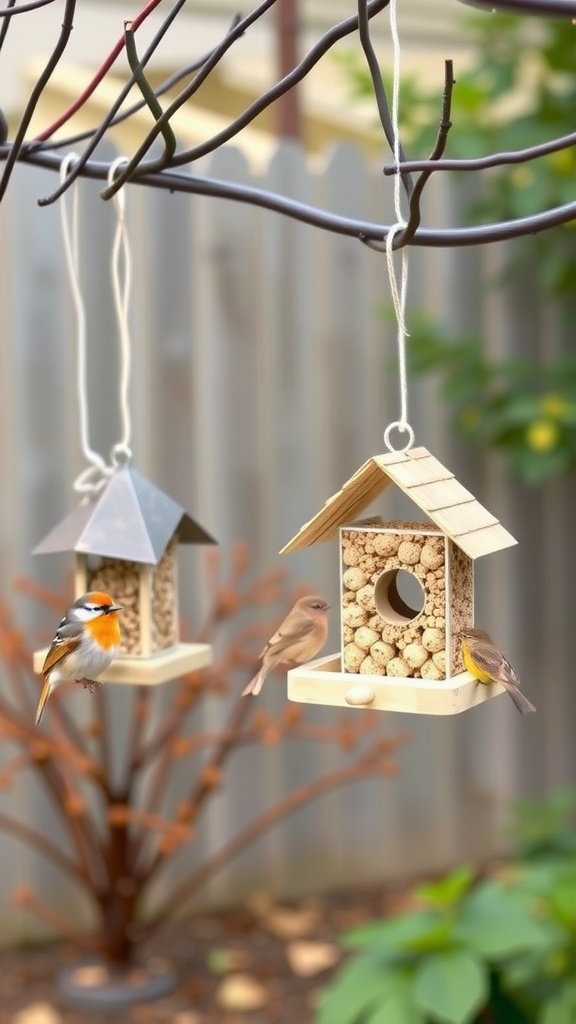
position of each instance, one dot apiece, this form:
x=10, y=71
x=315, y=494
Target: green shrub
x=494, y=950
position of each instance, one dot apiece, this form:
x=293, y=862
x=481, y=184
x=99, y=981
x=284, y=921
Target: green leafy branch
x=516, y=406
x=494, y=950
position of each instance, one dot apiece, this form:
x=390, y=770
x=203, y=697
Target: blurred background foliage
x=519, y=91
x=495, y=949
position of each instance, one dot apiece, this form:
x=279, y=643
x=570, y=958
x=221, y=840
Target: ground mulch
x=275, y=955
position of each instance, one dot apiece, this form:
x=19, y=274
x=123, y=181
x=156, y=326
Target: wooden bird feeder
x=407, y=591
x=125, y=539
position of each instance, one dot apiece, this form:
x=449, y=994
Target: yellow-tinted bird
x=484, y=660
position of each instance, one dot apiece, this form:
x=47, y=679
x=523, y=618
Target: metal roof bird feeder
x=401, y=653
x=125, y=539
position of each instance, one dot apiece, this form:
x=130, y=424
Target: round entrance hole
x=399, y=596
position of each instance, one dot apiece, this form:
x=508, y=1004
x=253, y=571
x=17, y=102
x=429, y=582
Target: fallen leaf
x=309, y=958
x=90, y=976
x=241, y=992
x=37, y=1013
x=292, y=923
x=260, y=902
x=222, y=960
x=186, y=1017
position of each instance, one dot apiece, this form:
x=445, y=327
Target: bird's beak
x=114, y=608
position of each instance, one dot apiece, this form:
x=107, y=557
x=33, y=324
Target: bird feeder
x=125, y=539
x=407, y=589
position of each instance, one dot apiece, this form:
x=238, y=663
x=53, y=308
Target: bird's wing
x=280, y=641
x=65, y=641
x=492, y=661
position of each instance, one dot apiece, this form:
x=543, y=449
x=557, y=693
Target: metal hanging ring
x=403, y=428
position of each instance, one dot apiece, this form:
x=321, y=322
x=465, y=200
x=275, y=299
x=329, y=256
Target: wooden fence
x=261, y=381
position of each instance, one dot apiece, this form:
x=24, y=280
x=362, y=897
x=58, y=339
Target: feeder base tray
x=322, y=682
x=160, y=667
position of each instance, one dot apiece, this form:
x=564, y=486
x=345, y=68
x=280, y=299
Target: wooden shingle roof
x=432, y=487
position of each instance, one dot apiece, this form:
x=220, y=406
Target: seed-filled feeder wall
x=407, y=589
x=125, y=540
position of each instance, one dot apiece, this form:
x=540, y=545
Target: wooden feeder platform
x=159, y=667
x=322, y=682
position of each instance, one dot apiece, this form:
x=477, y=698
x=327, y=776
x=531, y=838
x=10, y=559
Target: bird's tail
x=255, y=684
x=520, y=700
x=46, y=691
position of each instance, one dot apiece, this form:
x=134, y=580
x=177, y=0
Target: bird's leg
x=89, y=684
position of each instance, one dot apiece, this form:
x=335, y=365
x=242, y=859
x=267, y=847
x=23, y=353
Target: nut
x=433, y=639
x=431, y=557
x=415, y=655
x=381, y=653
x=353, y=657
x=397, y=667
x=351, y=554
x=354, y=578
x=439, y=659
x=353, y=615
x=368, y=668
x=409, y=552
x=386, y=544
x=365, y=598
x=364, y=637
x=430, y=671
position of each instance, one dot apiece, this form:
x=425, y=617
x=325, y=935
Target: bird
x=484, y=660
x=85, y=643
x=301, y=635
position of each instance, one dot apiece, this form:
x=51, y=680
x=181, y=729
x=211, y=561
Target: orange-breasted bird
x=302, y=634
x=484, y=660
x=86, y=641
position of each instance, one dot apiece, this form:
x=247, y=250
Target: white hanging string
x=70, y=239
x=94, y=476
x=121, y=286
x=398, y=293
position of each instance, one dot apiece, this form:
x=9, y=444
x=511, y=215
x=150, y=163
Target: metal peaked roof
x=129, y=518
x=432, y=487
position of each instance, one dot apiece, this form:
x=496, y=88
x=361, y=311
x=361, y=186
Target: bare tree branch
x=162, y=172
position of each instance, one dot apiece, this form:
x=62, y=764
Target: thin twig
x=329, y=39
x=135, y=740
x=104, y=740
x=379, y=90
x=481, y=163
x=405, y=236
x=9, y=11
x=73, y=802
x=212, y=61
x=6, y=22
x=59, y=923
x=149, y=96
x=15, y=148
x=112, y=118
x=39, y=842
x=291, y=803
x=100, y=74
x=211, y=770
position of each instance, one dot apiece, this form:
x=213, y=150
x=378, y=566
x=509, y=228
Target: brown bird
x=484, y=660
x=302, y=634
